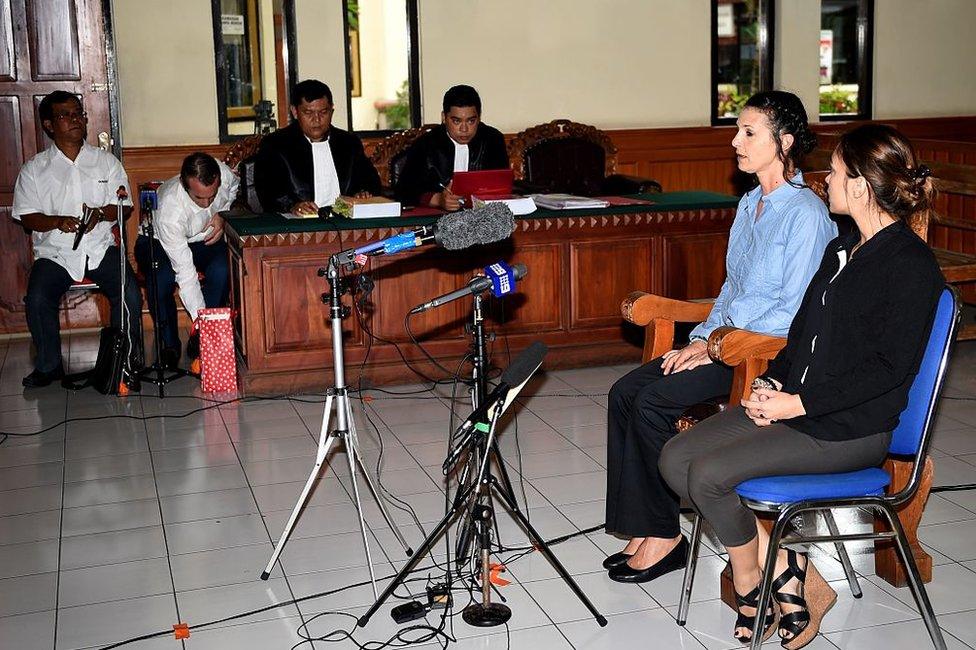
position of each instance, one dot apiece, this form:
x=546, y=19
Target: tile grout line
x=64, y=469
x=264, y=523
x=162, y=522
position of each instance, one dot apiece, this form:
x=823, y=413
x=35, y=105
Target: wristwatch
x=762, y=382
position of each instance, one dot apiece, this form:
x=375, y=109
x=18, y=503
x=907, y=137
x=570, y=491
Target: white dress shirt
x=460, y=157
x=324, y=173
x=51, y=184
x=178, y=222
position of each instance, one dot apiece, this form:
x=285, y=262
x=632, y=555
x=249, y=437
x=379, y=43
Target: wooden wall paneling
x=8, y=64
x=703, y=259
x=54, y=43
x=602, y=271
x=238, y=300
x=11, y=143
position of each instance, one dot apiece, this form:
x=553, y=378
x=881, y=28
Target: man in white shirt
x=55, y=190
x=189, y=238
x=309, y=163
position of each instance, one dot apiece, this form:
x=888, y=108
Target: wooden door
x=45, y=45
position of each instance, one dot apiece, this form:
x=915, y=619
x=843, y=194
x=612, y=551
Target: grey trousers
x=704, y=464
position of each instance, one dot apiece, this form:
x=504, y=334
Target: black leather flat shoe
x=39, y=379
x=616, y=560
x=676, y=559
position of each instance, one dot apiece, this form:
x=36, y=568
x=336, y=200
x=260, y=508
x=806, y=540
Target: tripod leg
x=350, y=453
x=537, y=540
x=421, y=551
x=353, y=450
x=325, y=442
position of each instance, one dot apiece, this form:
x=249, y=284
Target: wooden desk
x=580, y=264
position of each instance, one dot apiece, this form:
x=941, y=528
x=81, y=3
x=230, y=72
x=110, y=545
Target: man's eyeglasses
x=70, y=117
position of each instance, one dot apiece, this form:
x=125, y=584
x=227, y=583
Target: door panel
x=45, y=45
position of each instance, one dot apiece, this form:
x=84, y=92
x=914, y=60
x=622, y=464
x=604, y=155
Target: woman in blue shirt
x=775, y=245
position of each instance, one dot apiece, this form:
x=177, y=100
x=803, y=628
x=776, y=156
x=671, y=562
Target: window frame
x=764, y=49
x=290, y=54
x=413, y=70
x=865, y=75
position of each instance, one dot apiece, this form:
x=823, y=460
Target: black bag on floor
x=105, y=377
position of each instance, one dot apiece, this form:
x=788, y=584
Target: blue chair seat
x=807, y=487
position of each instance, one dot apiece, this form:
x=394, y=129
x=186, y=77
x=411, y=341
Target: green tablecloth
x=272, y=223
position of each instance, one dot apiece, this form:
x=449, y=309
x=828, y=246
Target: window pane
x=840, y=64
x=379, y=51
x=739, y=63
x=242, y=83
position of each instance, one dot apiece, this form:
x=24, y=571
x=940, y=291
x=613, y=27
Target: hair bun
x=807, y=140
x=920, y=173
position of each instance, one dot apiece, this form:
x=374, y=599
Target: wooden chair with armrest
x=749, y=354
x=240, y=158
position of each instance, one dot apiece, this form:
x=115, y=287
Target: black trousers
x=643, y=408
x=49, y=281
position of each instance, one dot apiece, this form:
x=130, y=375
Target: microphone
x=517, y=373
x=456, y=231
x=499, y=277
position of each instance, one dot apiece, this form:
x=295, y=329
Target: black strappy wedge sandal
x=751, y=599
x=800, y=627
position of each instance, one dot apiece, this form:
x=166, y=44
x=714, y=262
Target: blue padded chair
x=789, y=496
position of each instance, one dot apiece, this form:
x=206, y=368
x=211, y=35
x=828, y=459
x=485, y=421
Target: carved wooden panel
x=11, y=152
x=602, y=272
x=295, y=319
x=700, y=260
x=405, y=281
x=8, y=64
x=537, y=303
x=41, y=138
x=54, y=42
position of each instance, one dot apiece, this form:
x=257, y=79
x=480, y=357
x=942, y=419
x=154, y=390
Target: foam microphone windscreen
x=483, y=225
x=524, y=364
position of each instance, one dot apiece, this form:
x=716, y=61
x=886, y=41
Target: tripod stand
x=157, y=372
x=345, y=430
x=476, y=498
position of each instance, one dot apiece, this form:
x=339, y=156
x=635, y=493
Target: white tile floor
x=117, y=528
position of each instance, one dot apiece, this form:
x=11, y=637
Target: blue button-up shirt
x=770, y=261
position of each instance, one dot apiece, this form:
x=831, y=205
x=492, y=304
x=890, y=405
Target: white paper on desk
x=519, y=205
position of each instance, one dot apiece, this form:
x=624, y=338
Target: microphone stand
x=129, y=378
x=475, y=498
x=156, y=373
x=345, y=430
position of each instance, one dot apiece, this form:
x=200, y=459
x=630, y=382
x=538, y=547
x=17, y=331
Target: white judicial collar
x=460, y=156
x=324, y=173
x=53, y=185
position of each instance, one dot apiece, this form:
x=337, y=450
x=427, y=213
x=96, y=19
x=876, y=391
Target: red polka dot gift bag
x=218, y=363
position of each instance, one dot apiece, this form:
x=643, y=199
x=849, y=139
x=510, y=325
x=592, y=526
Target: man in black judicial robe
x=461, y=143
x=308, y=164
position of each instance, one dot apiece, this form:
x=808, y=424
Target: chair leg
x=689, y=579
x=914, y=578
x=842, y=552
x=766, y=581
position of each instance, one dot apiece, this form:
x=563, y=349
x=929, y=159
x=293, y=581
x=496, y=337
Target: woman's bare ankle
x=633, y=545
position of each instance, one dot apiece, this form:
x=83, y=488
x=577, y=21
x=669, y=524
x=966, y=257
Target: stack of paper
x=567, y=202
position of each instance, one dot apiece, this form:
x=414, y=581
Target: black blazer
x=283, y=167
x=430, y=161
x=856, y=342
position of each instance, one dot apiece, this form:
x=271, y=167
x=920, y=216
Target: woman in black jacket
x=833, y=395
